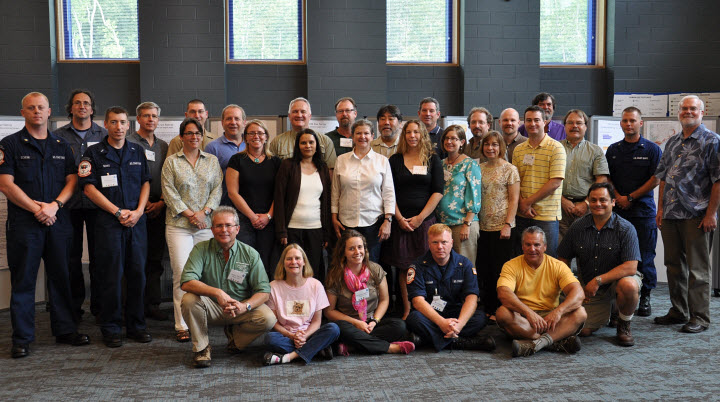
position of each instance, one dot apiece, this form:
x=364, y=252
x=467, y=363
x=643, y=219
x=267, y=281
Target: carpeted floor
x=664, y=365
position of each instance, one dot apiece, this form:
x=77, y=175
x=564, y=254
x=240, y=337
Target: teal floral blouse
x=462, y=192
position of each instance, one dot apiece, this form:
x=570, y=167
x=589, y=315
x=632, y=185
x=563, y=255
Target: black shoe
x=667, y=319
x=644, y=309
x=19, y=350
x=141, y=336
x=112, y=341
x=480, y=342
x=693, y=328
x=73, y=339
x=153, y=312
x=326, y=354
x=412, y=337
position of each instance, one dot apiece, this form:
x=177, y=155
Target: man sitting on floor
x=226, y=284
x=529, y=290
x=607, y=250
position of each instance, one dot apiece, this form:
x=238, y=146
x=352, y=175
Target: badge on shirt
x=109, y=180
x=346, y=142
x=419, y=170
x=529, y=159
x=150, y=155
x=410, y=275
x=438, y=303
x=298, y=308
x=237, y=276
x=362, y=294
x=84, y=169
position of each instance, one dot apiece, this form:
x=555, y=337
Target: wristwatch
x=630, y=198
x=598, y=280
x=248, y=307
x=468, y=223
x=205, y=210
x=269, y=216
x=389, y=219
x=60, y=203
x=118, y=213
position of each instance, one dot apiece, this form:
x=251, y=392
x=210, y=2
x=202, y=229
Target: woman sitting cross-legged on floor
x=358, y=295
x=297, y=298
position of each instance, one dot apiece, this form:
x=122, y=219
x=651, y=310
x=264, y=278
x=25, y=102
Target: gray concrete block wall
x=113, y=84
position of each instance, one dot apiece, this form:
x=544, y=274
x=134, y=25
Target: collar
x=370, y=155
x=215, y=247
x=610, y=224
x=379, y=141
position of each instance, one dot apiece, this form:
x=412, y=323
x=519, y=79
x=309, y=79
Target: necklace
x=455, y=160
x=256, y=158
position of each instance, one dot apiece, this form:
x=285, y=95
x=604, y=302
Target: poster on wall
x=8, y=126
x=651, y=105
x=660, y=131
x=167, y=128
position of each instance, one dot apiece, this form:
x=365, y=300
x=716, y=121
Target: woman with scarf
x=358, y=294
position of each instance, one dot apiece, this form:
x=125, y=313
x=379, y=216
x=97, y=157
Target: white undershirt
x=307, y=210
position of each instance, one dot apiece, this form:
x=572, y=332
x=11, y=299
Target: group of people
x=480, y=229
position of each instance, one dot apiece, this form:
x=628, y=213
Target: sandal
x=182, y=336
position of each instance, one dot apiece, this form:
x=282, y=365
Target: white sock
x=286, y=358
x=625, y=317
x=543, y=341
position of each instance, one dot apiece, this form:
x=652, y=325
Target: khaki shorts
x=598, y=308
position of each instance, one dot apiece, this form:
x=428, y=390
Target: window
x=97, y=29
x=572, y=32
x=421, y=31
x=266, y=31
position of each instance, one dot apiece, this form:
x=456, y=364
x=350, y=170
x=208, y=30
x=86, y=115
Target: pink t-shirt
x=295, y=307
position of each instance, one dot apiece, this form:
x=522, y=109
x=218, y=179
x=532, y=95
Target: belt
x=575, y=199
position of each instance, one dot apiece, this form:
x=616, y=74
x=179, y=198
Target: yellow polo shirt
x=537, y=165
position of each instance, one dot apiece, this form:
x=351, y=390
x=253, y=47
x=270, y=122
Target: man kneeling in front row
x=529, y=290
x=607, y=251
x=226, y=284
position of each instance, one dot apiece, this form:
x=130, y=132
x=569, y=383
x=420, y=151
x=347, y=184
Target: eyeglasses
x=255, y=134
x=453, y=139
x=348, y=111
x=224, y=226
x=82, y=103
x=196, y=133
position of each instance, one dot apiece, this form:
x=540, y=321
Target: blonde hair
x=438, y=229
x=426, y=147
x=281, y=274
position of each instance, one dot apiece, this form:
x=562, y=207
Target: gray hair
x=299, y=99
x=146, y=105
x=224, y=209
x=535, y=230
x=702, y=104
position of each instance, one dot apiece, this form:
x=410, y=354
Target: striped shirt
x=536, y=166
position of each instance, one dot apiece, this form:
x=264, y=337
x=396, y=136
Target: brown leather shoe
x=624, y=335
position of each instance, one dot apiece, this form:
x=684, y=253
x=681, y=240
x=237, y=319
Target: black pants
x=80, y=218
x=492, y=253
x=311, y=240
x=156, y=250
x=378, y=341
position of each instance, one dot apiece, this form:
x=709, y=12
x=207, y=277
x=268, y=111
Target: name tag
x=346, y=142
x=91, y=143
x=236, y=276
x=529, y=159
x=362, y=294
x=150, y=155
x=438, y=303
x=59, y=157
x=419, y=170
x=109, y=180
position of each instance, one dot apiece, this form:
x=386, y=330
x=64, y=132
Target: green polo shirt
x=207, y=265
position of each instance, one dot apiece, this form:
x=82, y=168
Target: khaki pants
x=467, y=248
x=199, y=311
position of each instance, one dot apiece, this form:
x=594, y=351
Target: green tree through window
x=567, y=32
x=262, y=30
x=419, y=31
x=99, y=29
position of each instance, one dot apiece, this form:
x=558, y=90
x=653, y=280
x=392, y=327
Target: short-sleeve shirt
x=632, y=165
x=461, y=193
x=599, y=251
x=413, y=189
x=383, y=149
x=540, y=288
x=295, y=307
x=256, y=180
x=452, y=282
x=536, y=166
x=583, y=162
x=495, y=196
x=337, y=138
x=343, y=303
x=206, y=264
x=689, y=167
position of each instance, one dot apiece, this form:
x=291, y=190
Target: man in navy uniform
x=114, y=174
x=82, y=133
x=37, y=175
x=443, y=289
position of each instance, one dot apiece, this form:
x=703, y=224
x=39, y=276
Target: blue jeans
x=551, y=229
x=322, y=338
x=430, y=333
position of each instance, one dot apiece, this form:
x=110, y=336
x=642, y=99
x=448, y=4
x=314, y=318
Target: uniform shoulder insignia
x=84, y=168
x=2, y=155
x=410, y=275
x=474, y=271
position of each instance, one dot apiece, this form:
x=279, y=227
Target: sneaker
x=343, y=349
x=624, y=336
x=405, y=346
x=569, y=345
x=644, y=309
x=522, y=348
x=481, y=342
x=271, y=358
x=202, y=358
